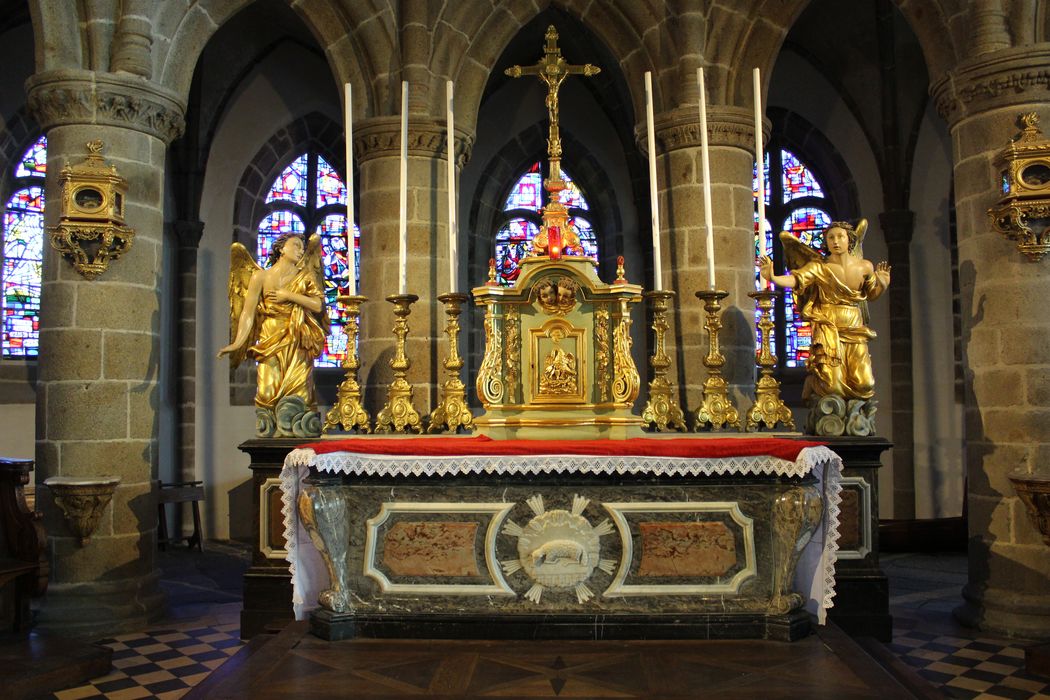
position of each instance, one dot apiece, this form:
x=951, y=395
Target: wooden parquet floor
x=296, y=664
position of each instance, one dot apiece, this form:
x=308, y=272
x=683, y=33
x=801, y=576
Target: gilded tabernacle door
x=557, y=353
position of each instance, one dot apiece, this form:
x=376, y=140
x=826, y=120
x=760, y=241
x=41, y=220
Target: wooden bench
x=24, y=567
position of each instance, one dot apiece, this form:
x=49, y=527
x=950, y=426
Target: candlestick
x=453, y=254
x=760, y=163
x=661, y=410
x=399, y=415
x=348, y=411
x=402, y=232
x=706, y=164
x=351, y=253
x=653, y=193
x=716, y=410
x=452, y=411
x=768, y=408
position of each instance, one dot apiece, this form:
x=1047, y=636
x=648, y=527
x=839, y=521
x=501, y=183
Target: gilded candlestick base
x=716, y=411
x=349, y=412
x=661, y=410
x=452, y=411
x=399, y=415
x=768, y=409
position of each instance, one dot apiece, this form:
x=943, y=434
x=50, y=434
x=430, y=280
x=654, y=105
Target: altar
x=640, y=538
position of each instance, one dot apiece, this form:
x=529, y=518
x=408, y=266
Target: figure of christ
x=831, y=290
x=279, y=317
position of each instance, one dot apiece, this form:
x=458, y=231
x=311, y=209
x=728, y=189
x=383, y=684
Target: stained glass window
x=523, y=206
x=310, y=178
x=798, y=180
x=801, y=206
x=292, y=184
x=23, y=247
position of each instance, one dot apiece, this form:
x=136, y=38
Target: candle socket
x=399, y=415
x=348, y=412
x=716, y=411
x=661, y=410
x=452, y=411
x=768, y=408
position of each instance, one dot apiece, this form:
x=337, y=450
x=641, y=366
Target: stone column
x=377, y=144
x=99, y=386
x=898, y=226
x=680, y=175
x=1006, y=346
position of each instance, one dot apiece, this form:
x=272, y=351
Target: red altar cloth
x=480, y=445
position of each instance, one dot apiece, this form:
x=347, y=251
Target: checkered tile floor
x=162, y=663
x=969, y=668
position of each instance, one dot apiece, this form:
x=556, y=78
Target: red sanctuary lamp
x=554, y=244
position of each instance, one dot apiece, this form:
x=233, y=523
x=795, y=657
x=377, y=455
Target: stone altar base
x=584, y=556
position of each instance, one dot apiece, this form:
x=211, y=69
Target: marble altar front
x=642, y=538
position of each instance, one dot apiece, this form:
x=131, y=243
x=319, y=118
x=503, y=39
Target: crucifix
x=552, y=69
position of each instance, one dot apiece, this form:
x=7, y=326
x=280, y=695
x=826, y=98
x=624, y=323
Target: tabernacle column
x=1006, y=341
x=99, y=389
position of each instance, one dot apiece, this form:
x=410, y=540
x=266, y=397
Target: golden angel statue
x=277, y=318
x=832, y=288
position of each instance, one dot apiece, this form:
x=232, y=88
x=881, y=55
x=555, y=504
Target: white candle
x=402, y=248
x=706, y=163
x=351, y=274
x=653, y=195
x=760, y=161
x=452, y=252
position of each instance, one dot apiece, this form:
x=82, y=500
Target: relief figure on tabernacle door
x=559, y=369
x=832, y=288
x=277, y=318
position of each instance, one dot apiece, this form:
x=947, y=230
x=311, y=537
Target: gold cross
x=552, y=69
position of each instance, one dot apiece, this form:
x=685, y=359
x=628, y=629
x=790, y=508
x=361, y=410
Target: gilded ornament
x=626, y=382
x=278, y=319
x=559, y=377
x=557, y=297
x=601, y=351
x=661, y=410
x=796, y=515
x=716, y=411
x=349, y=412
x=398, y=415
x=91, y=230
x=489, y=383
x=1023, y=212
x=512, y=373
x=452, y=411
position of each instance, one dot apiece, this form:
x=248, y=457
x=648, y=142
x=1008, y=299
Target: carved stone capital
x=66, y=97
x=726, y=126
x=380, y=137
x=1019, y=76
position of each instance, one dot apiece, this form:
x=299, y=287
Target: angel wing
x=796, y=253
x=312, y=260
x=860, y=229
x=242, y=267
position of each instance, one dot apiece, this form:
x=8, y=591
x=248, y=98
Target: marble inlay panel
x=850, y=514
x=686, y=549
x=419, y=548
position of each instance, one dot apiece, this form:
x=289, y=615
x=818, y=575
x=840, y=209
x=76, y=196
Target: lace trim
x=819, y=460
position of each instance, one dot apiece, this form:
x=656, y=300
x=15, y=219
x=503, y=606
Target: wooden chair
x=24, y=567
x=191, y=492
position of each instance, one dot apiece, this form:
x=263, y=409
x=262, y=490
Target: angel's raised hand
x=765, y=267
x=882, y=271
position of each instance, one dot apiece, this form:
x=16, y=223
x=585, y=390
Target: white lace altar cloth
x=814, y=576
